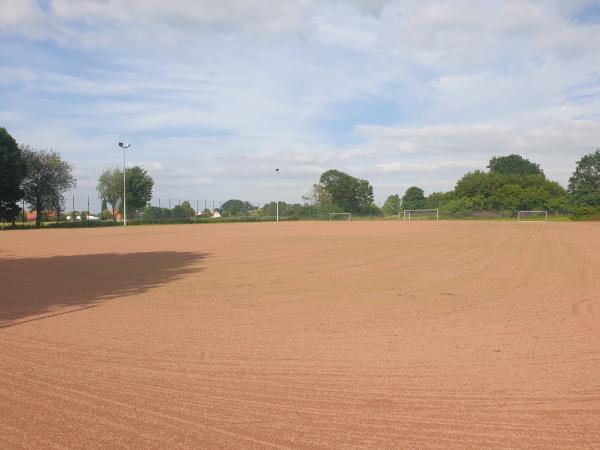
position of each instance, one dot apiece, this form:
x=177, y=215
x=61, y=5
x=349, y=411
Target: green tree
x=154, y=213
x=110, y=189
x=183, y=211
x=510, y=198
x=139, y=188
x=48, y=177
x=270, y=209
x=413, y=198
x=317, y=196
x=346, y=192
x=457, y=207
x=318, y=203
x=584, y=184
x=479, y=183
x=513, y=165
x=13, y=169
x=236, y=208
x=436, y=200
x=105, y=214
x=391, y=207
x=372, y=210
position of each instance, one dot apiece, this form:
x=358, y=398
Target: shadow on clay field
x=39, y=286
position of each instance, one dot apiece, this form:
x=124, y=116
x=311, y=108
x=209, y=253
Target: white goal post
x=538, y=216
x=333, y=216
x=408, y=214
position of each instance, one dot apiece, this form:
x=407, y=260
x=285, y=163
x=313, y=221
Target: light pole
x=124, y=147
x=277, y=191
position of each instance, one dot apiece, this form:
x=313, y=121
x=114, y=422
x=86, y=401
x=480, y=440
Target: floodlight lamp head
x=123, y=145
x=276, y=170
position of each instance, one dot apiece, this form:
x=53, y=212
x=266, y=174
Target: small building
x=31, y=216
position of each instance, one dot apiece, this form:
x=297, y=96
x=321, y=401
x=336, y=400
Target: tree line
x=511, y=183
x=40, y=178
x=36, y=177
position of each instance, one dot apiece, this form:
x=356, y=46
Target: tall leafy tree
x=436, y=199
x=234, y=207
x=413, y=198
x=513, y=165
x=317, y=196
x=584, y=184
x=391, y=207
x=183, y=211
x=13, y=169
x=48, y=177
x=110, y=188
x=347, y=192
x=139, y=188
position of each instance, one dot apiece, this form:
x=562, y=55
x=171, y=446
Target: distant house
x=215, y=214
x=30, y=216
x=117, y=215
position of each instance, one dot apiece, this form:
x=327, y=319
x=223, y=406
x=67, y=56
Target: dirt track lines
x=312, y=335
x=435, y=425
x=57, y=390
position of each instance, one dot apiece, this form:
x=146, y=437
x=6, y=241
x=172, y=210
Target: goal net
x=532, y=216
x=339, y=216
x=421, y=214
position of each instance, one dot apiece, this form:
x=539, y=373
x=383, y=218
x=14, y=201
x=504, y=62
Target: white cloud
x=25, y=17
x=214, y=95
x=416, y=167
x=555, y=145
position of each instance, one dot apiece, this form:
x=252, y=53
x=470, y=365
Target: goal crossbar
x=543, y=216
x=408, y=213
x=332, y=215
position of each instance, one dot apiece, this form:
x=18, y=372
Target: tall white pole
x=124, y=147
x=277, y=191
x=124, y=192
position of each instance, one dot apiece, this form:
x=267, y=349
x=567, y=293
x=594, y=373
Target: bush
x=457, y=208
x=585, y=213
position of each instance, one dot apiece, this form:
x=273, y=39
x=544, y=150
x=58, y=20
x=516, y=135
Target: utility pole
x=277, y=191
x=124, y=147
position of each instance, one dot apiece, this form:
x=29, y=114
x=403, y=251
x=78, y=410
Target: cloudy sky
x=213, y=96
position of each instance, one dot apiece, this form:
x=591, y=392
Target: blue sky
x=213, y=96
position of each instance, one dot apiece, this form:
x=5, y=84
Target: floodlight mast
x=124, y=147
x=277, y=192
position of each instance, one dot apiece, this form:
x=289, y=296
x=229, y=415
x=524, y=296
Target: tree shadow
x=36, y=288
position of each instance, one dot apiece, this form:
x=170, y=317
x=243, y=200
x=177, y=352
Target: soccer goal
x=339, y=216
x=532, y=216
x=421, y=214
